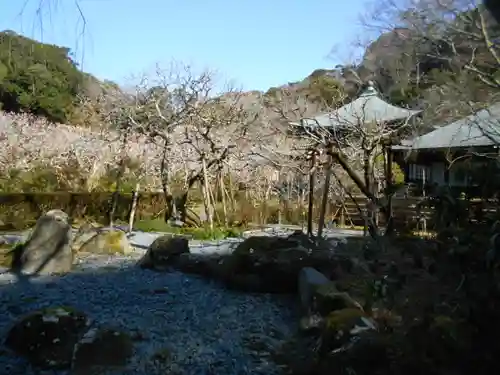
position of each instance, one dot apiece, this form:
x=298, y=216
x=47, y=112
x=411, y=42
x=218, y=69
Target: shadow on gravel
x=180, y=324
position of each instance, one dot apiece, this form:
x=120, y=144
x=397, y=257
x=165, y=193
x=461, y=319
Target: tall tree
x=182, y=111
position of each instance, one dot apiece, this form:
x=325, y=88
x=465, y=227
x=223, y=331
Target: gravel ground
x=203, y=328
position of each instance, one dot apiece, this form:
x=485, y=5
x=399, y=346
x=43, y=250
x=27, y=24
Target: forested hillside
x=42, y=79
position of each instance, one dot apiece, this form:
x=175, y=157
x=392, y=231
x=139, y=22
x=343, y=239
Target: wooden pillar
x=312, y=177
x=389, y=189
x=326, y=189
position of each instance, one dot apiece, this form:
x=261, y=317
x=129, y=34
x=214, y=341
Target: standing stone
x=309, y=281
x=48, y=248
x=319, y=298
x=164, y=252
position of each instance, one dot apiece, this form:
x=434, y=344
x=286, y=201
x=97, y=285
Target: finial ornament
x=370, y=89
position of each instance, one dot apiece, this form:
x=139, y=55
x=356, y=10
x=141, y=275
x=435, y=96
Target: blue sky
x=258, y=43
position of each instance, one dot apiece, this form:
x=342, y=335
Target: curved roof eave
x=367, y=108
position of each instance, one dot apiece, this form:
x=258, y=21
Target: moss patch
x=344, y=320
x=102, y=242
x=114, y=241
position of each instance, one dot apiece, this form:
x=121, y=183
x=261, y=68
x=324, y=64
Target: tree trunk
x=206, y=198
x=170, y=209
x=223, y=196
x=362, y=186
x=357, y=180
x=231, y=192
x=135, y=198
x=119, y=175
x=212, y=203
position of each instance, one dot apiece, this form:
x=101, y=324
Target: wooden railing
x=410, y=211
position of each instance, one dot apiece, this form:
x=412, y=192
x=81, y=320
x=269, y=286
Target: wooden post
x=324, y=202
x=424, y=221
x=342, y=209
x=312, y=176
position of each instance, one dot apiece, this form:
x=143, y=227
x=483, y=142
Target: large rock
x=272, y=264
x=327, y=298
x=211, y=266
x=102, y=241
x=99, y=348
x=320, y=297
x=46, y=338
x=310, y=280
x=48, y=248
x=164, y=252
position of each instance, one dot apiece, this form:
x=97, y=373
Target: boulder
x=211, y=266
x=309, y=281
x=320, y=297
x=327, y=298
x=272, y=264
x=102, y=241
x=164, y=252
x=48, y=248
x=46, y=338
x=101, y=347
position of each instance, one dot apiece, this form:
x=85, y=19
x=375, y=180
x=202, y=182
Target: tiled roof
x=367, y=108
x=479, y=129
